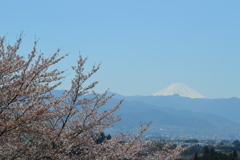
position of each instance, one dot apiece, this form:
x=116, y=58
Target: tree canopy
x=36, y=124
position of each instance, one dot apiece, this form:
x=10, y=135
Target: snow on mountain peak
x=180, y=89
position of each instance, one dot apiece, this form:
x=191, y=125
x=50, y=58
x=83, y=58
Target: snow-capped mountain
x=180, y=89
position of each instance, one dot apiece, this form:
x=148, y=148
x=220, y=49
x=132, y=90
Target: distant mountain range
x=177, y=116
x=182, y=116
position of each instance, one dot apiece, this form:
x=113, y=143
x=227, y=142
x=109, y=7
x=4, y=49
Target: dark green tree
x=102, y=138
x=205, y=150
x=235, y=155
x=212, y=152
x=236, y=143
x=195, y=157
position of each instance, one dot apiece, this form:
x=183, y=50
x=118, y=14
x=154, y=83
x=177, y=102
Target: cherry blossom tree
x=35, y=124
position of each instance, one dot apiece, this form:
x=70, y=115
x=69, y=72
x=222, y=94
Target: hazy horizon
x=143, y=46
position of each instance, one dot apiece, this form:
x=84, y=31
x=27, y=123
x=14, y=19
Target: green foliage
x=212, y=152
x=212, y=155
x=195, y=157
x=102, y=138
x=235, y=154
x=205, y=150
x=236, y=143
x=207, y=153
x=191, y=150
x=192, y=141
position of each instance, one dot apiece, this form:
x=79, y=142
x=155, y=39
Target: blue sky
x=143, y=46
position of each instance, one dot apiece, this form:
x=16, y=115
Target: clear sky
x=143, y=46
